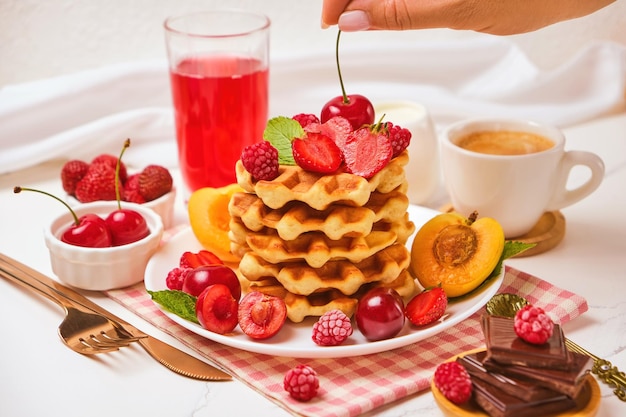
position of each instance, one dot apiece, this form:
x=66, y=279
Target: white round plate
x=294, y=339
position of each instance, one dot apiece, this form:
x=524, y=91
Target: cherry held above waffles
x=356, y=108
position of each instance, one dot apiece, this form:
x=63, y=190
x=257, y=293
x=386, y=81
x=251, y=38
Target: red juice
x=221, y=105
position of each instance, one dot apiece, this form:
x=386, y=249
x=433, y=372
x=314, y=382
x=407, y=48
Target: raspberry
x=301, y=382
x=305, y=119
x=332, y=328
x=453, y=381
x=261, y=160
x=399, y=137
x=533, y=325
x=175, y=278
x=72, y=172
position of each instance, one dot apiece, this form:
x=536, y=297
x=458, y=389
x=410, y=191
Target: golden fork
x=507, y=305
x=81, y=330
x=167, y=355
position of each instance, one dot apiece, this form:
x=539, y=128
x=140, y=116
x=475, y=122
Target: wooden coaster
x=546, y=234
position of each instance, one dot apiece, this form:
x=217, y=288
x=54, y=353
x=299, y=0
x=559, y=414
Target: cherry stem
x=19, y=189
x=346, y=100
x=117, y=174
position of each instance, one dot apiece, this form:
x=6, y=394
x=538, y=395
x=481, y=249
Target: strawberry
x=367, y=151
x=338, y=128
x=316, y=152
x=130, y=192
x=97, y=184
x=192, y=260
x=154, y=181
x=427, y=306
x=111, y=161
x=72, y=172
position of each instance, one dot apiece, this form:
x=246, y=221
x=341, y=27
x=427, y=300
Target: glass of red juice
x=218, y=64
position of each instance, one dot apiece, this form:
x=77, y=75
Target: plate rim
x=315, y=351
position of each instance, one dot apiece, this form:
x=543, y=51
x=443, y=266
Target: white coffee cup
x=513, y=189
x=423, y=170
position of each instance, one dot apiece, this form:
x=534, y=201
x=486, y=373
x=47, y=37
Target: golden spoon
x=506, y=305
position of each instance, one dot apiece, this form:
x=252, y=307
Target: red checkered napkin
x=354, y=385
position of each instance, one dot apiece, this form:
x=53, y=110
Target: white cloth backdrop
x=80, y=115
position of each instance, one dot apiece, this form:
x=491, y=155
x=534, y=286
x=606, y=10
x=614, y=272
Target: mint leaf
x=510, y=249
x=280, y=131
x=177, y=302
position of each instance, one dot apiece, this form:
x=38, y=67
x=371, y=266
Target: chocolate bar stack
x=516, y=378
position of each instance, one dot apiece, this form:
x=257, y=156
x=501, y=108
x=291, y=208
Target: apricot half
x=456, y=252
x=210, y=220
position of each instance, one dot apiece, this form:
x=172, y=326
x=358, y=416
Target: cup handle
x=565, y=197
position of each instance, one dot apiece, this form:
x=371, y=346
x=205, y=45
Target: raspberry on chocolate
x=301, y=382
x=453, y=381
x=533, y=325
x=261, y=160
x=332, y=328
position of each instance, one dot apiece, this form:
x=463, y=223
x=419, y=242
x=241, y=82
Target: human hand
x=498, y=17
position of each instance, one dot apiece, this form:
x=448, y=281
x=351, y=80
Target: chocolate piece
x=504, y=346
x=568, y=382
x=518, y=387
x=498, y=403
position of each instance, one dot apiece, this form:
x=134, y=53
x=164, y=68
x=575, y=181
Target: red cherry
x=91, y=231
x=216, y=309
x=355, y=107
x=126, y=226
x=88, y=231
x=380, y=314
x=261, y=316
x=197, y=279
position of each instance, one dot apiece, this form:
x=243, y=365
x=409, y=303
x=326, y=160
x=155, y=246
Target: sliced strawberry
x=338, y=128
x=366, y=152
x=316, y=152
x=427, y=306
x=193, y=260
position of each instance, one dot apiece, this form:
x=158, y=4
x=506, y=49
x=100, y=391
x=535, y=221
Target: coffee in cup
x=512, y=171
x=505, y=142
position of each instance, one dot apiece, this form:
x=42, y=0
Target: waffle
x=337, y=221
x=315, y=248
x=319, y=191
x=300, y=306
x=345, y=276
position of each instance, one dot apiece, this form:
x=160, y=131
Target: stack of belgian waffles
x=321, y=241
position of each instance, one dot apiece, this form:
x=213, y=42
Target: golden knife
x=167, y=355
